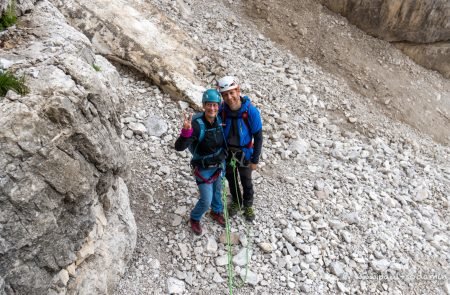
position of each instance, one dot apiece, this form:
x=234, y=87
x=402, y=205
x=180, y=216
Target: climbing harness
x=209, y=180
x=239, y=158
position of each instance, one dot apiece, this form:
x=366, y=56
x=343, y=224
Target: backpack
x=193, y=148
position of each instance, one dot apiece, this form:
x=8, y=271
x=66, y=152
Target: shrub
x=9, y=82
x=9, y=17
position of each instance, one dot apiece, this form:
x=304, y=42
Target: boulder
x=152, y=46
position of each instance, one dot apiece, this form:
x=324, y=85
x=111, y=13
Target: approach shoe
x=233, y=209
x=218, y=217
x=196, y=227
x=249, y=214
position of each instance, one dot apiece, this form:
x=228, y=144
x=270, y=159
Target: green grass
x=96, y=68
x=9, y=17
x=9, y=82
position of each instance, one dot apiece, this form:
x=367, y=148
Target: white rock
x=347, y=236
x=290, y=235
x=128, y=134
x=380, y=265
x=156, y=126
x=183, y=249
x=175, y=286
x=154, y=264
x=337, y=268
x=315, y=252
x=341, y=287
x=183, y=105
x=211, y=245
x=305, y=248
x=296, y=215
x=421, y=195
x=222, y=260
x=181, y=210
x=243, y=257
x=5, y=63
x=217, y=278
x=137, y=128
x=249, y=277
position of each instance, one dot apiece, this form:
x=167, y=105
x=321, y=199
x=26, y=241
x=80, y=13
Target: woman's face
x=211, y=109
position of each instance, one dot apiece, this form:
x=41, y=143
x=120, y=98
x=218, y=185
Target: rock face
x=416, y=22
x=65, y=221
x=150, y=44
x=22, y=6
x=433, y=56
x=401, y=20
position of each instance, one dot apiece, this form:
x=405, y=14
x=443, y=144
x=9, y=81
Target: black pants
x=244, y=174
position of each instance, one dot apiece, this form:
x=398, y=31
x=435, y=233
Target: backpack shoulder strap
x=245, y=118
x=201, y=124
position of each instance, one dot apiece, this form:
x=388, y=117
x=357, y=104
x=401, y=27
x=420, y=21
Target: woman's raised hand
x=187, y=119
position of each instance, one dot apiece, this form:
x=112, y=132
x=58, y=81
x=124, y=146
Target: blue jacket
x=245, y=135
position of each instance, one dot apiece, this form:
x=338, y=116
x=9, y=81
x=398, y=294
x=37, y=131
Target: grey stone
x=175, y=286
x=249, y=277
x=156, y=126
x=211, y=245
x=380, y=265
x=290, y=235
x=337, y=268
x=243, y=257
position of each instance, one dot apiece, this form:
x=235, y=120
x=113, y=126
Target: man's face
x=211, y=109
x=232, y=98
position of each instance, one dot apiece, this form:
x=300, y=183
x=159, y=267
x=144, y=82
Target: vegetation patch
x=9, y=17
x=96, y=68
x=9, y=82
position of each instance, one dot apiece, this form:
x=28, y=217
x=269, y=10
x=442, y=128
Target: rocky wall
x=422, y=27
x=65, y=222
x=139, y=35
x=21, y=6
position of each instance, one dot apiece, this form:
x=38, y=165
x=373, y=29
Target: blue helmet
x=211, y=95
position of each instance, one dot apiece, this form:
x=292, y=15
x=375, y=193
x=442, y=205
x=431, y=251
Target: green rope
x=227, y=230
x=228, y=238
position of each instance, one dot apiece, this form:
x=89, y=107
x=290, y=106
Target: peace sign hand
x=187, y=119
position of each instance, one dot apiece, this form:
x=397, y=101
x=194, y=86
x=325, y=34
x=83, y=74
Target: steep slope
x=372, y=68
x=348, y=199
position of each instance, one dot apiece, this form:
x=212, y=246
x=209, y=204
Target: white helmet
x=227, y=83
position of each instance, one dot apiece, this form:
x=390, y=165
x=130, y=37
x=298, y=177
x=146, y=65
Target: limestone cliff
x=416, y=24
x=65, y=221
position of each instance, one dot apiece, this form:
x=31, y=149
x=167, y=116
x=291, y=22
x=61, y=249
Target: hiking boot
x=196, y=227
x=218, y=217
x=249, y=214
x=233, y=209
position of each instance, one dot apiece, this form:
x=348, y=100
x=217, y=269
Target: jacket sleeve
x=257, y=146
x=254, y=119
x=187, y=137
x=256, y=126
